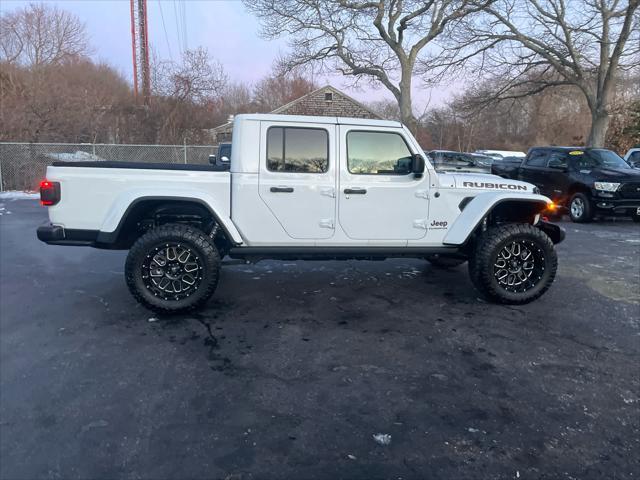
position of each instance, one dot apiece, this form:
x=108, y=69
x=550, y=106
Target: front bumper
x=615, y=206
x=58, y=235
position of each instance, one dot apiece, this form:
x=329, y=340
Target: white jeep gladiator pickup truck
x=306, y=188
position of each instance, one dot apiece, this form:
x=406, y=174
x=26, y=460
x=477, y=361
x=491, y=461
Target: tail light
x=49, y=193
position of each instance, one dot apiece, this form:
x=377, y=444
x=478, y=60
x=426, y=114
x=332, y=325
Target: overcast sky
x=223, y=26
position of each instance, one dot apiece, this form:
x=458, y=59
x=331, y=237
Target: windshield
x=608, y=159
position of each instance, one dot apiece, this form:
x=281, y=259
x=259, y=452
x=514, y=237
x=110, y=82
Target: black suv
x=584, y=181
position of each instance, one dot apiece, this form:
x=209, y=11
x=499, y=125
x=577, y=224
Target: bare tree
x=182, y=92
x=41, y=34
x=279, y=89
x=386, y=108
x=376, y=40
x=197, y=77
x=533, y=45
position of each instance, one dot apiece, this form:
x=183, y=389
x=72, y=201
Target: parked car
x=483, y=160
x=450, y=161
x=501, y=153
x=632, y=157
x=582, y=181
x=312, y=188
x=506, y=166
x=222, y=159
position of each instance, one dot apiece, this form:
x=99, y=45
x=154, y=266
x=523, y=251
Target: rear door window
x=537, y=159
x=297, y=150
x=557, y=159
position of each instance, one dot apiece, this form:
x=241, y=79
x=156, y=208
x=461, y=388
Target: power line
x=175, y=17
x=166, y=37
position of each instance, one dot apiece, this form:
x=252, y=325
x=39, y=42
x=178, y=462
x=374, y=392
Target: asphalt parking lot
x=294, y=366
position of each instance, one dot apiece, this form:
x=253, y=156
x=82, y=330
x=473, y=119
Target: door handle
x=281, y=189
x=355, y=191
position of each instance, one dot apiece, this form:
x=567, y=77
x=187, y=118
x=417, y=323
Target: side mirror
x=417, y=165
x=212, y=159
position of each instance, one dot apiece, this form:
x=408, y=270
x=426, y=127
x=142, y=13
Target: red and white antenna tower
x=140, y=49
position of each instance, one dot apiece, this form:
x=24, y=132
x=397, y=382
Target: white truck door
x=379, y=199
x=297, y=179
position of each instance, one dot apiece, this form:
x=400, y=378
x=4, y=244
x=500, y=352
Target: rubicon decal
x=501, y=186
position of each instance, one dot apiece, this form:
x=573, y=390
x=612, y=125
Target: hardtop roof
x=269, y=117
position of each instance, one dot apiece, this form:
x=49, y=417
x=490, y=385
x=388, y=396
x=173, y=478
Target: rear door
x=557, y=179
x=298, y=177
x=534, y=170
x=379, y=199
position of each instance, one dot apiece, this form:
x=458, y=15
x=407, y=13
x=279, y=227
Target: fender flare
x=478, y=208
x=115, y=219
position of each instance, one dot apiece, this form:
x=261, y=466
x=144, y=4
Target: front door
x=378, y=197
x=298, y=178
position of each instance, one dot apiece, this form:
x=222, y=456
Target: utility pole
x=140, y=50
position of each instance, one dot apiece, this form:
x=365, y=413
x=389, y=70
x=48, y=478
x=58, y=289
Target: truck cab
x=222, y=158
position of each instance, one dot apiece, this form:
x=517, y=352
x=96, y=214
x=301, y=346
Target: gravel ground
x=331, y=370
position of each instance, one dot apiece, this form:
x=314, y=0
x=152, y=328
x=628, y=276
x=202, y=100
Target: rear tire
x=443, y=261
x=173, y=268
x=580, y=208
x=513, y=264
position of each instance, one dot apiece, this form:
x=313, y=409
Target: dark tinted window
x=224, y=151
x=378, y=153
x=302, y=150
x=537, y=159
x=608, y=159
x=557, y=159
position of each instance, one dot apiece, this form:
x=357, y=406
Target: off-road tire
x=440, y=261
x=490, y=244
x=587, y=208
x=197, y=242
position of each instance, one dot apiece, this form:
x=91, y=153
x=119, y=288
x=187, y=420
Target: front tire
x=580, y=208
x=173, y=268
x=513, y=264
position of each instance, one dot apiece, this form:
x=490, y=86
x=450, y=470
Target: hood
x=486, y=182
x=614, y=174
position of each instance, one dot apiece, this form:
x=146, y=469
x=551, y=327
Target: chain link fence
x=24, y=165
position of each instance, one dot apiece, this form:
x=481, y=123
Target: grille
x=630, y=190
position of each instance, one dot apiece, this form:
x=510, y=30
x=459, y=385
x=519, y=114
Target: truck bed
x=95, y=195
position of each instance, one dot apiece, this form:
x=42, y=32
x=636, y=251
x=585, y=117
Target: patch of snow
x=382, y=438
x=13, y=195
x=152, y=319
x=78, y=156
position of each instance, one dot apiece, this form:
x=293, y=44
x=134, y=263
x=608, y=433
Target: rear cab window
x=537, y=158
x=558, y=159
x=297, y=150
